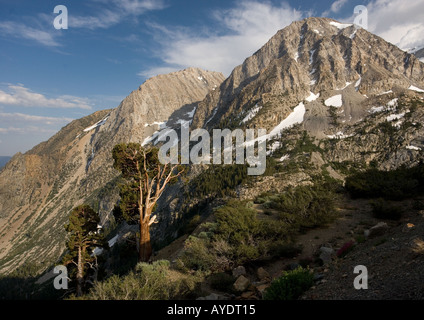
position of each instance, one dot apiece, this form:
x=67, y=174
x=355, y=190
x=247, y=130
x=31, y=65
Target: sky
x=51, y=76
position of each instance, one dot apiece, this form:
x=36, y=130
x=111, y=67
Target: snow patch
x=191, y=113
x=213, y=115
x=395, y=117
x=284, y=158
x=393, y=103
x=413, y=88
x=358, y=83
x=340, y=26
x=296, y=117
x=387, y=92
x=97, y=124
x=311, y=56
x=161, y=125
x=335, y=101
x=413, y=148
x=339, y=135
x=312, y=97
x=251, y=114
x=296, y=56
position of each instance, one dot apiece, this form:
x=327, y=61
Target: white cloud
x=248, y=27
x=25, y=118
x=397, y=21
x=20, y=96
x=19, y=30
x=336, y=6
x=110, y=13
x=30, y=129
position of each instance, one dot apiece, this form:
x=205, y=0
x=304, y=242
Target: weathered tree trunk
x=80, y=273
x=145, y=246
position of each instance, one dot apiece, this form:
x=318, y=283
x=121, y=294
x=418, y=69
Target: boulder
x=263, y=274
x=239, y=271
x=241, y=284
x=378, y=230
x=326, y=254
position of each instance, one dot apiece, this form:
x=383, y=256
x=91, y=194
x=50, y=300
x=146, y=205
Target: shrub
x=282, y=249
x=147, y=282
x=397, y=184
x=222, y=281
x=290, y=286
x=196, y=255
x=382, y=209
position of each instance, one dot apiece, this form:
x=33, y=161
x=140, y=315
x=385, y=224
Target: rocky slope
x=38, y=189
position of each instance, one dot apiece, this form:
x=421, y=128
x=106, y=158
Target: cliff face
x=38, y=189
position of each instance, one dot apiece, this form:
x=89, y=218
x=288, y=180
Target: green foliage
x=290, y=286
x=218, y=180
x=305, y=206
x=83, y=238
x=382, y=209
x=222, y=281
x=147, y=282
x=398, y=184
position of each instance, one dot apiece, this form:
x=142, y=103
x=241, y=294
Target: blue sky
x=49, y=77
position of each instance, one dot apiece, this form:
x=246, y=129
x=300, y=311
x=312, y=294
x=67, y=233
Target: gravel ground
x=395, y=264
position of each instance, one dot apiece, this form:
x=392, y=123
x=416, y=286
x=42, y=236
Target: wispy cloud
x=397, y=21
x=28, y=129
x=336, y=6
x=246, y=27
x=26, y=118
x=18, y=95
x=22, y=31
x=114, y=12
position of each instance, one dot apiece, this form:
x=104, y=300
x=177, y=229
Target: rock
x=318, y=277
x=241, y=284
x=261, y=288
x=263, y=274
x=378, y=230
x=293, y=266
x=239, y=271
x=213, y=297
x=247, y=295
x=417, y=245
x=326, y=254
x=408, y=227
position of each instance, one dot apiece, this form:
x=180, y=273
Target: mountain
x=39, y=188
x=3, y=161
x=331, y=96
x=338, y=75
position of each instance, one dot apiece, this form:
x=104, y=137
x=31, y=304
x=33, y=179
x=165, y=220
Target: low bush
x=382, y=209
x=290, y=286
x=397, y=184
x=146, y=282
x=222, y=281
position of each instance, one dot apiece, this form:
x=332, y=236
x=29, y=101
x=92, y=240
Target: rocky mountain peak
x=312, y=56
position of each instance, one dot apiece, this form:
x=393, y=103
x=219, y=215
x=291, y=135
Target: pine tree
x=146, y=181
x=83, y=239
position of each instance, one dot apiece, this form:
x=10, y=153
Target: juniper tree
x=146, y=179
x=83, y=239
